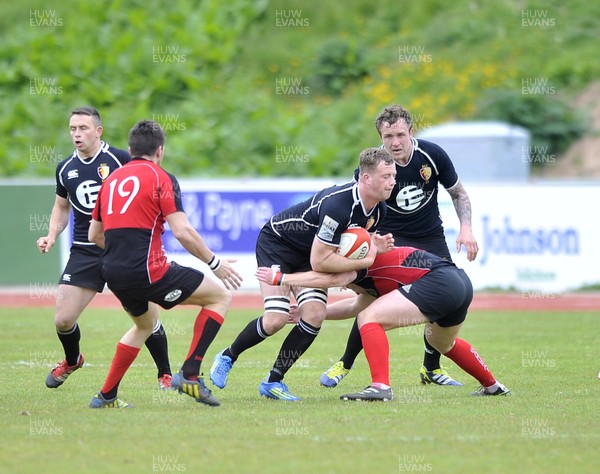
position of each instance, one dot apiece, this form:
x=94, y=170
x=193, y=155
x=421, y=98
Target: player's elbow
x=319, y=266
x=324, y=265
x=342, y=279
x=177, y=233
x=184, y=233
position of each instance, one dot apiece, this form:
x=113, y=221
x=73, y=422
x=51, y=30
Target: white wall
x=532, y=237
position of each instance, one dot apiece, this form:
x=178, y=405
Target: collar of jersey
x=91, y=159
x=358, y=199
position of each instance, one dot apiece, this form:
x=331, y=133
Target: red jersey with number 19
x=132, y=205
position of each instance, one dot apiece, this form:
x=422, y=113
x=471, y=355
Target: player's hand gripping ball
x=355, y=243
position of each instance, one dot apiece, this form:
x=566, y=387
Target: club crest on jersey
x=370, y=223
x=425, y=173
x=103, y=171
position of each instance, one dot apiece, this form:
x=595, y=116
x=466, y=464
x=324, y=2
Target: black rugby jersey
x=413, y=210
x=79, y=181
x=326, y=215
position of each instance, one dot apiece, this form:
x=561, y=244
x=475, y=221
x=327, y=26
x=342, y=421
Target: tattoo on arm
x=462, y=204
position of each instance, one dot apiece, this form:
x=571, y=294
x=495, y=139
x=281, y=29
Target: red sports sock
x=467, y=358
x=377, y=352
x=124, y=357
x=206, y=327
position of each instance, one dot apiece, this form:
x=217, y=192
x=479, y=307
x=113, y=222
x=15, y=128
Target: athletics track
x=518, y=301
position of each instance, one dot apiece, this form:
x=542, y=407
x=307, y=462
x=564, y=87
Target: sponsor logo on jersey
x=67, y=277
x=328, y=228
x=87, y=193
x=73, y=174
x=407, y=288
x=103, y=171
x=425, y=173
x=173, y=295
x=409, y=198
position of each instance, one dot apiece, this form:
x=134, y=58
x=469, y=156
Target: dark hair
x=391, y=115
x=145, y=137
x=90, y=111
x=371, y=157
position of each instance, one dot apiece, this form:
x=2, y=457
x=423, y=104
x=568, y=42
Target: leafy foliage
x=339, y=64
x=553, y=123
x=217, y=75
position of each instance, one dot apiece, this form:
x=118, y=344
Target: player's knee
x=224, y=302
x=224, y=297
x=217, y=298
x=64, y=321
x=273, y=322
x=277, y=313
x=314, y=318
x=441, y=343
x=312, y=306
x=366, y=317
x=145, y=329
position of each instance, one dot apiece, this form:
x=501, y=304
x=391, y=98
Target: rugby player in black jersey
x=78, y=180
x=304, y=237
x=413, y=218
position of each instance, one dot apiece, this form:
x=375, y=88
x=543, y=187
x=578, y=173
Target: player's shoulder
x=65, y=162
x=119, y=155
x=430, y=148
x=166, y=175
x=152, y=171
x=347, y=190
x=344, y=187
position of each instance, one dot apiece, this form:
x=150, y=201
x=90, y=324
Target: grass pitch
x=551, y=424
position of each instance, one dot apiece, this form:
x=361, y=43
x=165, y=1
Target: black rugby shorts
x=177, y=284
x=442, y=295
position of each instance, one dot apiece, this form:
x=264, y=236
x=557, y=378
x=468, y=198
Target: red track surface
x=527, y=301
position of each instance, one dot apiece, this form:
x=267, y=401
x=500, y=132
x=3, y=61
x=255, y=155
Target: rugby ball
x=354, y=243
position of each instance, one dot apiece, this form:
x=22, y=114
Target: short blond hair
x=370, y=158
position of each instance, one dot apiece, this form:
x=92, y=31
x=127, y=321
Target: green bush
x=207, y=70
x=553, y=124
x=339, y=64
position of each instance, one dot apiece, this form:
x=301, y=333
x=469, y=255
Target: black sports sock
x=158, y=347
x=295, y=344
x=253, y=334
x=70, y=342
x=431, y=357
x=353, y=346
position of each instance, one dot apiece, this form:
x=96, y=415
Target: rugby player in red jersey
x=404, y=287
x=128, y=221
